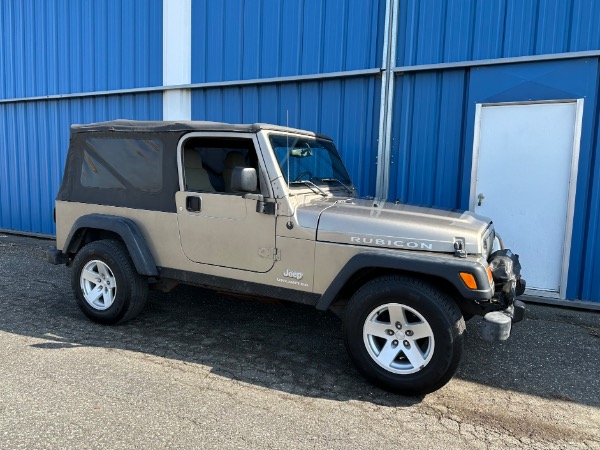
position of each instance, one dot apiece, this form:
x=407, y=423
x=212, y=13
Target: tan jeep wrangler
x=272, y=212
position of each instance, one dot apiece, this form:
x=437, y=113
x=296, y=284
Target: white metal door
x=524, y=173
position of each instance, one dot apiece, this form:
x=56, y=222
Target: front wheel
x=107, y=287
x=404, y=335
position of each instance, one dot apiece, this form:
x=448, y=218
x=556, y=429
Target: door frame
x=561, y=294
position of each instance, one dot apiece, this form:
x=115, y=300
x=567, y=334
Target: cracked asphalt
x=200, y=369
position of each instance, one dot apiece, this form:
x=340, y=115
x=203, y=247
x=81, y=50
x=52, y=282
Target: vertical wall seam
x=503, y=30
x=535, y=27
x=463, y=137
x=300, y=34
x=346, y=12
x=387, y=99
x=569, y=25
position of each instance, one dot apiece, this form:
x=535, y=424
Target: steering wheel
x=299, y=176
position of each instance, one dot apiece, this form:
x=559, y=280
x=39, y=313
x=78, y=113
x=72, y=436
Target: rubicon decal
x=387, y=242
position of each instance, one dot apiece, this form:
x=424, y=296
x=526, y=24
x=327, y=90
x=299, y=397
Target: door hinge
x=270, y=253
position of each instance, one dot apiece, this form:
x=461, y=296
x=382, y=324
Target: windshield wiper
x=329, y=180
x=310, y=184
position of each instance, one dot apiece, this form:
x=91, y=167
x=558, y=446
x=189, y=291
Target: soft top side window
x=208, y=163
x=122, y=163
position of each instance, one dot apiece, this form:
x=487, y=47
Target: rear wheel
x=404, y=335
x=107, y=287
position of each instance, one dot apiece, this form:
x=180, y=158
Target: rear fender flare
x=125, y=228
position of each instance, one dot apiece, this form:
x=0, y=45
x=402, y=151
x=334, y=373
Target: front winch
x=506, y=272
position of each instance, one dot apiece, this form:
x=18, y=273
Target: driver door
x=216, y=225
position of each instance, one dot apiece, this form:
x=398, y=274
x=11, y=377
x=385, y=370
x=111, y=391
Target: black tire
x=443, y=347
x=130, y=290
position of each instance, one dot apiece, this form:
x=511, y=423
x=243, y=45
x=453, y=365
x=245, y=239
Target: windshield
x=304, y=159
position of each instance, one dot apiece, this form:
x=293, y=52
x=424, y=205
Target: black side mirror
x=244, y=179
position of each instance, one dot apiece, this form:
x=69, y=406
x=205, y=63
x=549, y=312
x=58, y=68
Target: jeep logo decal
x=290, y=274
x=391, y=243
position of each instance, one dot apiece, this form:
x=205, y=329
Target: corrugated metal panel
x=346, y=110
x=247, y=39
x=427, y=138
x=34, y=138
x=589, y=276
x=587, y=273
x=67, y=46
x=437, y=31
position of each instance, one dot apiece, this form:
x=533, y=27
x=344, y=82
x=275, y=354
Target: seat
x=196, y=176
x=232, y=160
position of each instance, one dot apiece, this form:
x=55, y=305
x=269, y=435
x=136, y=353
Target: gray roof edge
x=184, y=125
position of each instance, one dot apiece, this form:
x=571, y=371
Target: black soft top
x=183, y=125
x=133, y=164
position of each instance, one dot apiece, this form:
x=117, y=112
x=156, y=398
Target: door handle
x=193, y=204
x=480, y=197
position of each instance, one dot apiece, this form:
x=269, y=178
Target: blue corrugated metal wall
x=257, y=39
x=436, y=31
x=249, y=39
x=589, y=267
x=66, y=47
x=427, y=139
x=34, y=137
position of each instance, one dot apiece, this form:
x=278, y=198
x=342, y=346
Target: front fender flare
x=447, y=268
x=128, y=231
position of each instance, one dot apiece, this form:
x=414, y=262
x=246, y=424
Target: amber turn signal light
x=469, y=280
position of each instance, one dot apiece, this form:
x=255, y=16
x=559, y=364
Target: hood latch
x=460, y=247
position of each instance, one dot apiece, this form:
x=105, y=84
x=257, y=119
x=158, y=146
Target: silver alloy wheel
x=98, y=285
x=398, y=338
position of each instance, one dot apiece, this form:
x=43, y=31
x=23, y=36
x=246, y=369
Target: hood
x=368, y=223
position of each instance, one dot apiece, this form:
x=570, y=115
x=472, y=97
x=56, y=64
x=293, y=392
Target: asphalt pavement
x=199, y=369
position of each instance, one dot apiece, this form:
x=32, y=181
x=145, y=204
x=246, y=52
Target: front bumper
x=497, y=325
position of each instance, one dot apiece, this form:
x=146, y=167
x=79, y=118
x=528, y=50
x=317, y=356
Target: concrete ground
x=203, y=370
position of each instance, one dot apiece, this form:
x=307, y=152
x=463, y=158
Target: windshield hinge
x=270, y=253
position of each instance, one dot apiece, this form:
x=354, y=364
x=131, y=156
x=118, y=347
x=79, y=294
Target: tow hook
x=496, y=325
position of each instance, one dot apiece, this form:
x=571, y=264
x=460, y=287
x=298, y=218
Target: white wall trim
x=177, y=58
